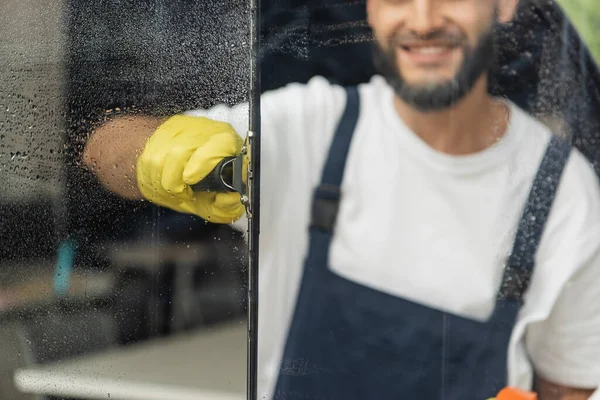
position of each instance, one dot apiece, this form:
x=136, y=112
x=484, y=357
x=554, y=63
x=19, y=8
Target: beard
x=477, y=60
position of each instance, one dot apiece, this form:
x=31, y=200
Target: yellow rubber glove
x=181, y=152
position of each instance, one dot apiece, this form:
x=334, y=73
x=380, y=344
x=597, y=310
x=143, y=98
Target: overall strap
x=521, y=262
x=327, y=195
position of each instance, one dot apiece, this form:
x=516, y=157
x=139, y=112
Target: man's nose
x=424, y=17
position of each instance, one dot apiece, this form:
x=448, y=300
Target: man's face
x=433, y=51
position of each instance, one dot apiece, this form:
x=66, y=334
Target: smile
x=427, y=54
x=427, y=49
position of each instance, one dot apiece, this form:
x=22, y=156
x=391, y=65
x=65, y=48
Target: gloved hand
x=181, y=152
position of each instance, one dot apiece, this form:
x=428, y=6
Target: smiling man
x=420, y=239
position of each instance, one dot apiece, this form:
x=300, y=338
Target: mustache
x=438, y=37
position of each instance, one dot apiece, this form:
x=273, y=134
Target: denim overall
x=347, y=341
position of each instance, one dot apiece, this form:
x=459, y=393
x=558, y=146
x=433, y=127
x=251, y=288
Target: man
x=401, y=221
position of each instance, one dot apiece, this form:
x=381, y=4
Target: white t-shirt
x=426, y=226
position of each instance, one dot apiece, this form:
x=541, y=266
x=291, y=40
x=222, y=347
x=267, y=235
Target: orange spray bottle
x=510, y=393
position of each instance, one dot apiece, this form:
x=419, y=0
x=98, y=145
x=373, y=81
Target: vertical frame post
x=253, y=200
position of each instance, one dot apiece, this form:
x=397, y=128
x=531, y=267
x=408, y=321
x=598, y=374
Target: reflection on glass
x=102, y=296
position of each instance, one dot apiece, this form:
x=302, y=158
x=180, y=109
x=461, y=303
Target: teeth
x=429, y=50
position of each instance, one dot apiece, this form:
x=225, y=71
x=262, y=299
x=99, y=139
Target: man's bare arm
x=113, y=149
x=551, y=391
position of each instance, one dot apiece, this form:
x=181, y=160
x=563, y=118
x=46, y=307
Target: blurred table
x=29, y=285
x=204, y=365
x=158, y=258
x=150, y=256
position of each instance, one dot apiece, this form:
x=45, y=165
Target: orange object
x=510, y=393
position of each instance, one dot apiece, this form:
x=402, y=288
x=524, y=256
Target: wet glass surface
x=112, y=289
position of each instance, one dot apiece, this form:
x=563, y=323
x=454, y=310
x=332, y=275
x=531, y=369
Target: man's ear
x=506, y=10
x=369, y=11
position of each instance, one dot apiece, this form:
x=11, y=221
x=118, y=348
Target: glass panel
x=429, y=259
x=105, y=291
